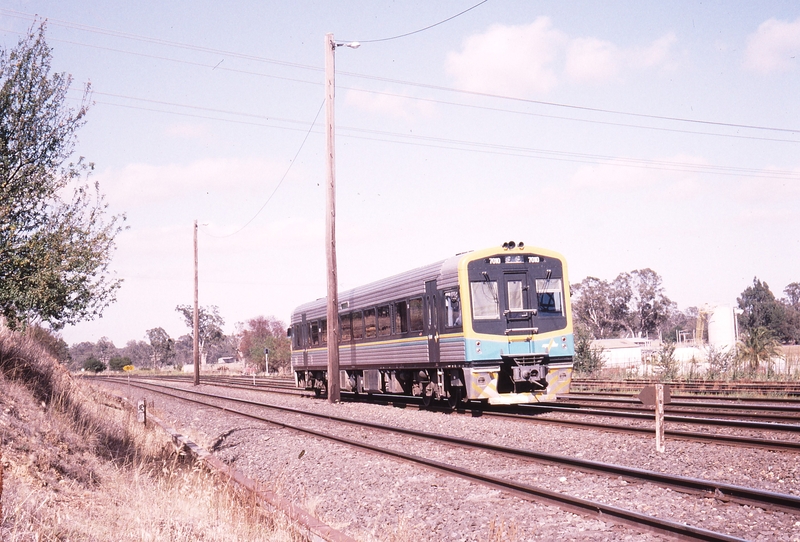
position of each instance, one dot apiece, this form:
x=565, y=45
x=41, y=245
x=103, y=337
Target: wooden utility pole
x=196, y=353
x=330, y=227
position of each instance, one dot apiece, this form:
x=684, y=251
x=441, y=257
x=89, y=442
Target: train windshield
x=485, y=304
x=549, y=292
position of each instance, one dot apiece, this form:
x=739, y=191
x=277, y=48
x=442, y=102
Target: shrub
x=94, y=365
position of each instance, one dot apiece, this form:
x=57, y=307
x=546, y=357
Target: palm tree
x=759, y=346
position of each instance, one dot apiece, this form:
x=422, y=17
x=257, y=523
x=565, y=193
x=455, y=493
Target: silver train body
x=491, y=325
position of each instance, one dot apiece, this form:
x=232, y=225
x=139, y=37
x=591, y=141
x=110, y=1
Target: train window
x=314, y=333
x=358, y=326
x=346, y=328
x=485, y=305
x=323, y=331
x=401, y=317
x=384, y=321
x=296, y=335
x=515, y=302
x=415, y=314
x=370, y=326
x=452, y=306
x=549, y=292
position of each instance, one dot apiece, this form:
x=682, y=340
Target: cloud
x=143, y=184
x=774, y=47
x=590, y=59
x=657, y=54
x=509, y=59
x=187, y=131
x=392, y=105
x=535, y=58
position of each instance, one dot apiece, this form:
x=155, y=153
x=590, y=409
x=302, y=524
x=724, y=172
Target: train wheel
x=454, y=399
x=321, y=391
x=427, y=394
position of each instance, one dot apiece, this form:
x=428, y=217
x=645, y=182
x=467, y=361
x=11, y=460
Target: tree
x=163, y=347
x=791, y=310
x=592, y=307
x=761, y=309
x=588, y=358
x=118, y=362
x=184, y=351
x=55, y=249
x=265, y=332
x=649, y=307
x=792, y=292
x=633, y=303
x=758, y=347
x=105, y=349
x=94, y=365
x=209, y=326
x=139, y=352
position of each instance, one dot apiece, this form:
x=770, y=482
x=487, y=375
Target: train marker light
x=511, y=245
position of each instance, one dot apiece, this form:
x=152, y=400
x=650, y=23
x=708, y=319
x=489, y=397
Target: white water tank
x=722, y=327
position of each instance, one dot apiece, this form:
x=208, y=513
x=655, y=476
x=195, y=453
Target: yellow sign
x=129, y=368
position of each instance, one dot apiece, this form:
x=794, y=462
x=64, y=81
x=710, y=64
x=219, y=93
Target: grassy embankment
x=75, y=466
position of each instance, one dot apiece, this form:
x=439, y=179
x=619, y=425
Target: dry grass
x=77, y=467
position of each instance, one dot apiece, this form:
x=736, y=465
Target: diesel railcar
x=491, y=325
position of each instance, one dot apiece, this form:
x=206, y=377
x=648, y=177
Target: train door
x=432, y=320
x=518, y=311
x=304, y=340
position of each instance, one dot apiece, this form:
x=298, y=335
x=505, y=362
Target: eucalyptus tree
x=56, y=239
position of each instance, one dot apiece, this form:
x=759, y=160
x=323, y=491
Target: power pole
x=330, y=227
x=196, y=353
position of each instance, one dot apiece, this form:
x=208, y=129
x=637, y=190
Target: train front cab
x=517, y=326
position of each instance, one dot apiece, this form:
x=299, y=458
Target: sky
x=624, y=135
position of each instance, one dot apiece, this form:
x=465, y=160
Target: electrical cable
x=421, y=29
x=279, y=182
x=507, y=150
x=158, y=41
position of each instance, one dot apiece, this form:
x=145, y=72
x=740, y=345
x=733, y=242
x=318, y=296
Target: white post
x=660, y=445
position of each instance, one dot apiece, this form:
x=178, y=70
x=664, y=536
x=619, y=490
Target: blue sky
x=568, y=125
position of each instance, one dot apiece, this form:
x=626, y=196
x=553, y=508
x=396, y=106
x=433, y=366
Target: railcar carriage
x=491, y=325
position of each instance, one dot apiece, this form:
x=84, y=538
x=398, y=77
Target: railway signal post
x=657, y=396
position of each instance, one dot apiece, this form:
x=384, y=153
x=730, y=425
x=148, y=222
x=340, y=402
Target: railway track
x=703, y=487
x=715, y=388
x=532, y=413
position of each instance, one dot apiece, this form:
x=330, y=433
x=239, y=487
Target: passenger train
x=491, y=325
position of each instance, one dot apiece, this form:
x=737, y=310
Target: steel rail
x=752, y=442
x=670, y=409
x=740, y=493
x=574, y=504
x=791, y=428
x=679, y=401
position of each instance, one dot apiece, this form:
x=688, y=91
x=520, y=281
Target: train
x=491, y=325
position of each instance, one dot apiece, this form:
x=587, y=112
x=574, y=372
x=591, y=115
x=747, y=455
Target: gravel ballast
x=371, y=497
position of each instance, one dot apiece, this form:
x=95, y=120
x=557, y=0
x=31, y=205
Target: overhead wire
x=294, y=159
x=488, y=148
x=432, y=100
x=421, y=29
x=442, y=88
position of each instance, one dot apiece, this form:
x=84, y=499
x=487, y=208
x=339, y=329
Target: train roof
x=407, y=284
x=403, y=285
